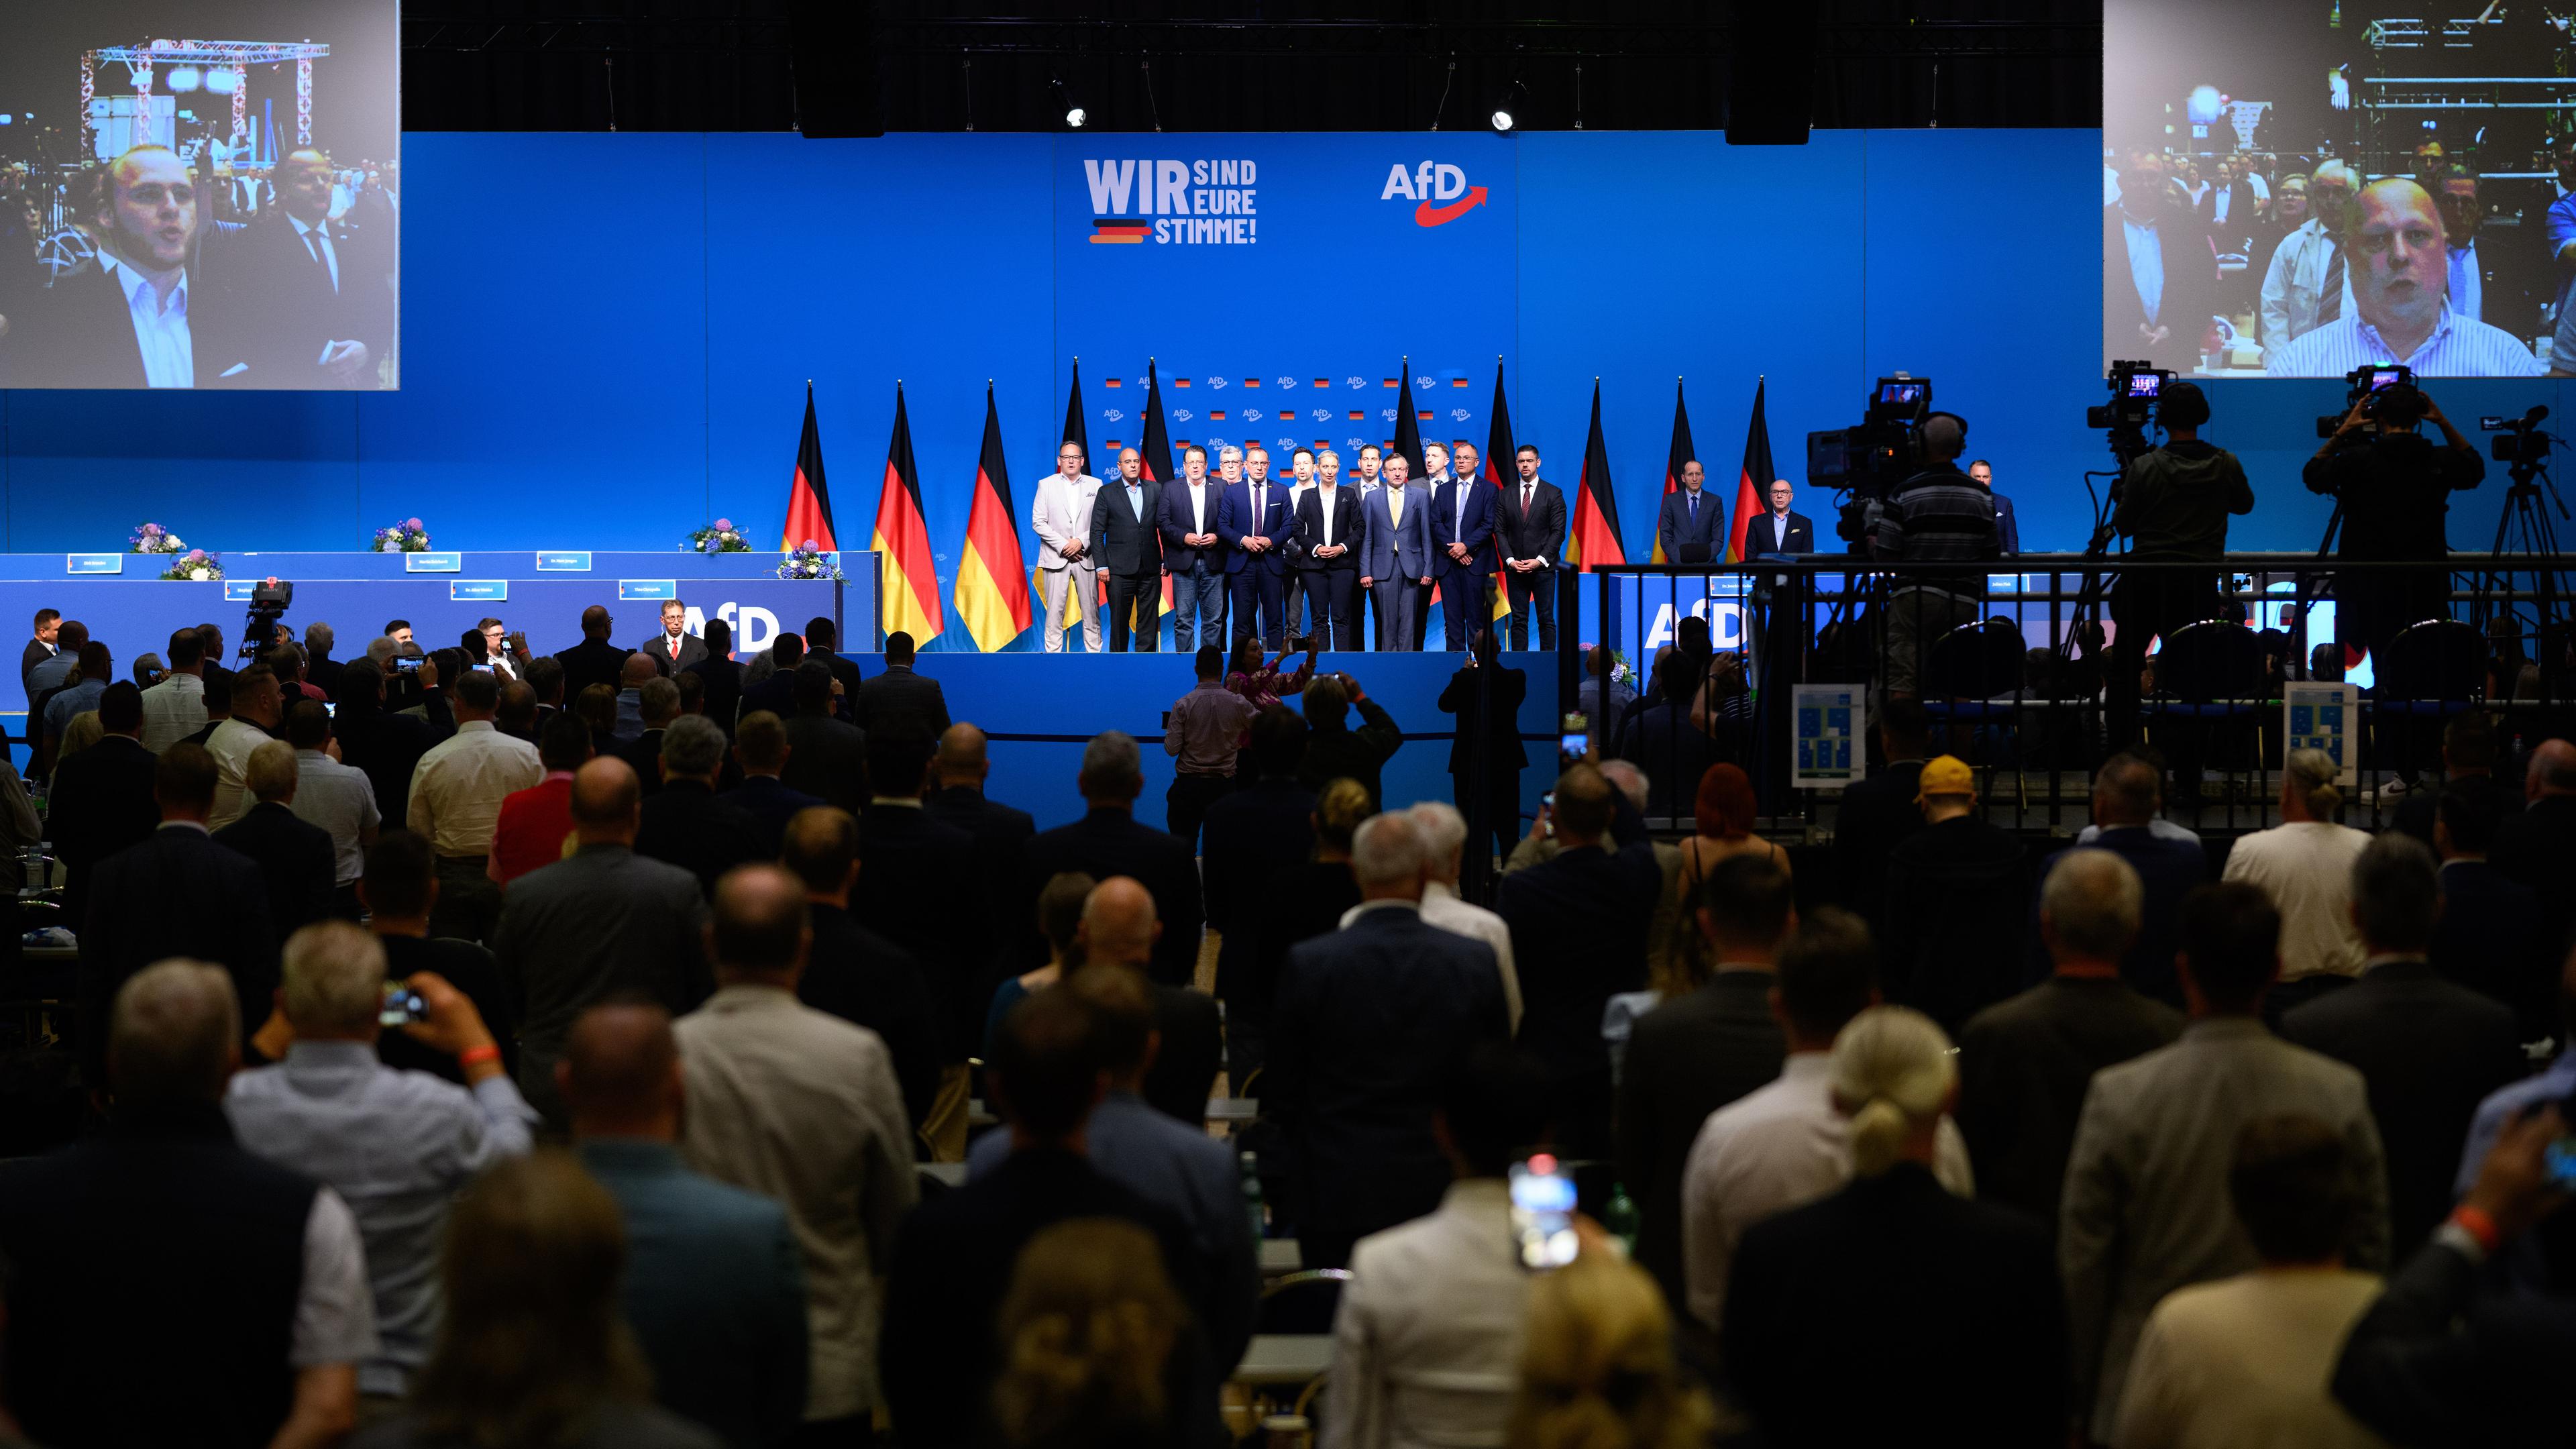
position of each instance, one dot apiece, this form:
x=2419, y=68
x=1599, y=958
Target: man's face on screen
x=2403, y=267
x=154, y=213
x=304, y=187
x=2142, y=184
x=2328, y=195
x=2292, y=203
x=2460, y=209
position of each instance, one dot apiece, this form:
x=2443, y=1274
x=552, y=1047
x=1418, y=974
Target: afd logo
x=1439, y=191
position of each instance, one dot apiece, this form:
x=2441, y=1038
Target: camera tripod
x=2524, y=528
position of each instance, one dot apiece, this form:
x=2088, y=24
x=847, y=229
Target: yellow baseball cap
x=1947, y=775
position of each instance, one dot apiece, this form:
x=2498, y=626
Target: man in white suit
x=1062, y=515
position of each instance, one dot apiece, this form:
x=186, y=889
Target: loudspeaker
x=836, y=67
x=1771, y=72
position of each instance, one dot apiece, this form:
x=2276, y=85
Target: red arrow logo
x=1425, y=214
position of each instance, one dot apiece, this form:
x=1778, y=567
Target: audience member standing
x=1368, y=1022
x=296, y=859
x=1444, y=847
x=2469, y=747
x=168, y=1286
x=1118, y=929
x=594, y=660
x=1599, y=1361
x=532, y=1349
x=2538, y=847
x=1089, y=1331
x=1310, y=898
x=2250, y=1359
x=1335, y=751
x=2145, y=1209
x=722, y=694
x=176, y=707
x=801, y=1106
x=826, y=757
x=1001, y=833
x=49, y=673
x=2024, y=1063
x=456, y=795
x=1264, y=828
x=918, y=883
x=685, y=822
x=398, y=890
x=2429, y=1050
x=396, y=1146
x=385, y=744
x=2489, y=936
x=48, y=721
x=714, y=1286
x=760, y=746
x=1878, y=812
x=1699, y=1051
x=1108, y=840
x=334, y=798
x=2304, y=864
x=1958, y=896
x=1485, y=754
x=2128, y=801
x=1200, y=733
x=102, y=799
x=1579, y=937
x=856, y=974
x=49, y=624
x=938, y=1356
x=1427, y=1341
x=899, y=694
x=175, y=894
x=602, y=920
x=1785, y=1144
x=257, y=710
x=1895, y=1248
x=535, y=824
x=657, y=703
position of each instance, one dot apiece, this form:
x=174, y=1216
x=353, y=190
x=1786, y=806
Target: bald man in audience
x=1119, y=929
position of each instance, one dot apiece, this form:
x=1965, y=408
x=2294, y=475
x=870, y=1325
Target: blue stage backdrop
x=612, y=380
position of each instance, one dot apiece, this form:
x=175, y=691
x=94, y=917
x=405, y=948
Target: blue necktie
x=1693, y=506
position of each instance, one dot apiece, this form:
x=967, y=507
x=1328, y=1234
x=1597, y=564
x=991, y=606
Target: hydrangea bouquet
x=195, y=566
x=806, y=561
x=718, y=537
x=153, y=538
x=408, y=536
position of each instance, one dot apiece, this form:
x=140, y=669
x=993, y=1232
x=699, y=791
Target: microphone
x=2532, y=418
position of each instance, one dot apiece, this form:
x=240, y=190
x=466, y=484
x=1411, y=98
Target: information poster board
x=2321, y=716
x=1829, y=723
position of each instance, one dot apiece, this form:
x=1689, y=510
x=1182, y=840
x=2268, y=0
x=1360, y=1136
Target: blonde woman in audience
x=80, y=734
x=532, y=1350
x=1598, y=1371
x=1059, y=911
x=1087, y=1335
x=2305, y=865
x=1952, y=1304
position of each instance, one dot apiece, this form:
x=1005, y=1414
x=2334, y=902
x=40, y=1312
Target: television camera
x=1868, y=461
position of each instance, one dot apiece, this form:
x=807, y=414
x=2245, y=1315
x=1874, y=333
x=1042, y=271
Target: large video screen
x=200, y=193
x=2296, y=188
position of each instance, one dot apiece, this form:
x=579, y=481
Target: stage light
x=1075, y=117
x=2202, y=104
x=1507, y=109
x=184, y=78
x=223, y=82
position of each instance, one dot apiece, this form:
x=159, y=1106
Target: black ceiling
x=729, y=65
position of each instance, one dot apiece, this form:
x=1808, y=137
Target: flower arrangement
x=408, y=536
x=718, y=537
x=1620, y=673
x=195, y=566
x=808, y=562
x=153, y=538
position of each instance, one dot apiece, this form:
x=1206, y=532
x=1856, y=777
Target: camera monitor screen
x=2297, y=190
x=2146, y=384
x=200, y=193
x=1903, y=393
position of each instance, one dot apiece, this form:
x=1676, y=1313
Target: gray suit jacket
x=2147, y=1208
x=601, y=921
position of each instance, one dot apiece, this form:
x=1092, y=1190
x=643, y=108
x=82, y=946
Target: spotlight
x=223, y=82
x=184, y=77
x=1507, y=109
x=1075, y=117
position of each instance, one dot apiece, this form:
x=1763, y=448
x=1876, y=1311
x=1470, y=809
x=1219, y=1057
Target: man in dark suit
x=1461, y=525
x=822, y=641
x=2489, y=936
x=102, y=797
x=684, y=822
x=1001, y=835
x=1249, y=838
x=1665, y=742
x=594, y=660
x=1690, y=526
x=2538, y=847
x=1530, y=530
x=1877, y=812
x=1369, y=1023
x=776, y=692
x=1117, y=931
x=145, y=210
x=177, y=893
x=297, y=859
x=1697, y=1052
x=657, y=703
x=1486, y=755
x=315, y=295
x=1126, y=545
x=674, y=648
x=2157, y=268
x=2469, y=750
x=853, y=972
x=1958, y=900
x=1779, y=529
x=1193, y=552
x=901, y=696
x=1252, y=517
x=40, y=647
x=761, y=749
x=1578, y=938
x=825, y=756
x=1331, y=533
x=918, y=883
x=2128, y=796
x=1109, y=841
x=2428, y=1050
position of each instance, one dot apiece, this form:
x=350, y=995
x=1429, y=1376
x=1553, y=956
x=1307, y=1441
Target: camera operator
x=1939, y=515
x=2174, y=505
x=2394, y=486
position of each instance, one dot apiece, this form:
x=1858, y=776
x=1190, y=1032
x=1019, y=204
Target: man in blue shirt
x=2562, y=254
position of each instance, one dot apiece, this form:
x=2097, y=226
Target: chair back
x=2437, y=659
x=2212, y=660
x=1975, y=661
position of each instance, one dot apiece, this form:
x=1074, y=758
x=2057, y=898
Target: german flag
x=1502, y=468
x=1123, y=229
x=1462, y=382
x=809, y=503
x=1681, y=452
x=1408, y=428
x=1154, y=452
x=991, y=600
x=911, y=584
x=1595, y=526
x=1077, y=430
x=1752, y=480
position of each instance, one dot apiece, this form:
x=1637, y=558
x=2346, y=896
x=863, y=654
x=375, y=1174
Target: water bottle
x=1621, y=1218
x=1252, y=1196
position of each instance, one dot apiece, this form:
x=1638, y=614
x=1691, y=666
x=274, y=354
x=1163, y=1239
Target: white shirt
x=2293, y=280
x=2218, y=208
x=1324, y=506
x=2146, y=264
x=457, y=788
x=1441, y=907
x=2306, y=867
x=231, y=745
x=335, y=1309
x=1458, y=530
x=2468, y=289
x=1198, y=507
x=160, y=325
x=1777, y=1148
x=2246, y=1363
x=1427, y=1342
x=340, y=799
x=173, y=710
x=2458, y=347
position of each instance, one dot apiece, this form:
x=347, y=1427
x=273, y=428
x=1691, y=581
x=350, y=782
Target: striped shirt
x=2459, y=347
x=1936, y=516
